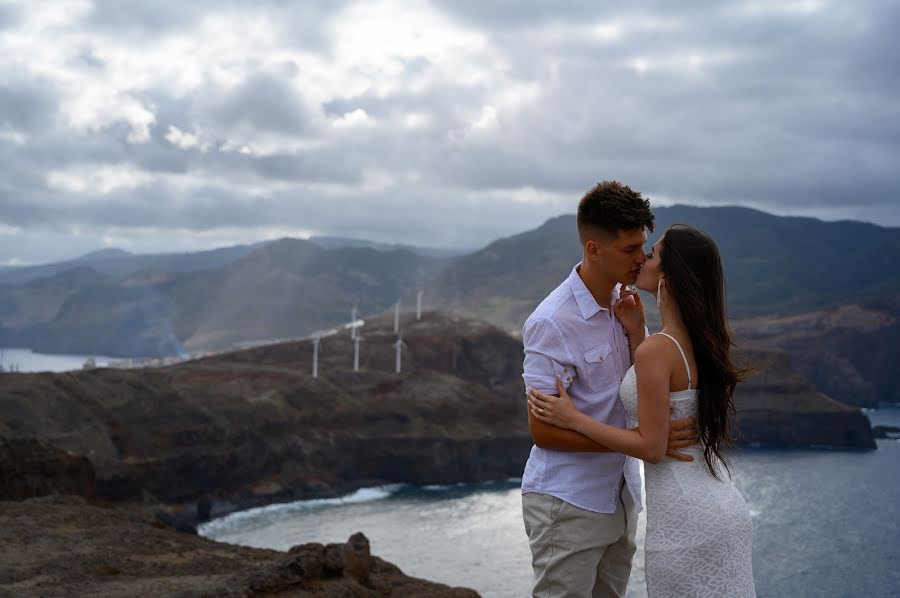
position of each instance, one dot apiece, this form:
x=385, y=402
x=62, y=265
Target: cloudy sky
x=161, y=125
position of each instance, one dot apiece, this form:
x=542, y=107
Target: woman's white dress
x=699, y=534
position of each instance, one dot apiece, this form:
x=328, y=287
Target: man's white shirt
x=571, y=336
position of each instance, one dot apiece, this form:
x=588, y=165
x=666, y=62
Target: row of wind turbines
x=354, y=325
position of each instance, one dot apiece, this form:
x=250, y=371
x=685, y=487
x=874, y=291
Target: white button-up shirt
x=570, y=335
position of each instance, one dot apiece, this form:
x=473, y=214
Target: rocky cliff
x=29, y=468
x=846, y=351
x=254, y=426
x=778, y=407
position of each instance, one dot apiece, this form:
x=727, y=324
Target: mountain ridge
x=290, y=287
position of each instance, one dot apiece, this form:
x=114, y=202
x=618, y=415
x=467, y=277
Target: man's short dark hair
x=610, y=207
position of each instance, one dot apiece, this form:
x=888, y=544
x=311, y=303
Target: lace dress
x=699, y=534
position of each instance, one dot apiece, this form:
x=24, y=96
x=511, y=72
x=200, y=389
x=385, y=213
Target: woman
x=699, y=534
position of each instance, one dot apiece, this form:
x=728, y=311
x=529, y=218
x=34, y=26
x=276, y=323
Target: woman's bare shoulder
x=653, y=346
x=656, y=352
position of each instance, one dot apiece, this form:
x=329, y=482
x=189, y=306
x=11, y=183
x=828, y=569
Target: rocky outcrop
x=777, y=406
x=785, y=430
x=887, y=432
x=254, y=427
x=29, y=468
x=67, y=546
x=848, y=352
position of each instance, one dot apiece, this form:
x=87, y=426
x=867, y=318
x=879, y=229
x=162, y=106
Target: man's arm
x=550, y=437
x=547, y=358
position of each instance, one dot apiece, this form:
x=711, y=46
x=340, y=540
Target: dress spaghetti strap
x=680, y=350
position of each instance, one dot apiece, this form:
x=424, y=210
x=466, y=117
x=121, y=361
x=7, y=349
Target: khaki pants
x=579, y=553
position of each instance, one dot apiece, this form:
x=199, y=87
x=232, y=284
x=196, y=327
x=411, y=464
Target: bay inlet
x=822, y=525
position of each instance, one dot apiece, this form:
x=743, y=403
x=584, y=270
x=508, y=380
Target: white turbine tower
x=356, y=353
x=397, y=317
x=419, y=305
x=353, y=333
x=399, y=345
x=315, y=342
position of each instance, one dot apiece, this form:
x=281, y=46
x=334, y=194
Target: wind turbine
x=354, y=327
x=399, y=345
x=397, y=317
x=356, y=353
x=353, y=319
x=315, y=342
x=419, y=305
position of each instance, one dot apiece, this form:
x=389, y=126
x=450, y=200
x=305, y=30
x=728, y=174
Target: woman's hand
x=630, y=311
x=557, y=411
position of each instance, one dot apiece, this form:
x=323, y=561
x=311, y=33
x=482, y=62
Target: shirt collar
x=583, y=297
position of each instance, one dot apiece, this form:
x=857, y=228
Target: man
x=579, y=500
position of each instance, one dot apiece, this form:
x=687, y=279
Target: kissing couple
x=604, y=393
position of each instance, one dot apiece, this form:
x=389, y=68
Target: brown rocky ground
x=66, y=546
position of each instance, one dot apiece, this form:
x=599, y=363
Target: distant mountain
x=114, y=303
x=773, y=264
x=791, y=264
x=284, y=288
x=117, y=263
x=103, y=254
x=40, y=299
x=291, y=288
x=327, y=242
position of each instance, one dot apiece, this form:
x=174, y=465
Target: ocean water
x=28, y=361
x=826, y=523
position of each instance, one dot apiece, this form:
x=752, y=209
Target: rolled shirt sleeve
x=546, y=356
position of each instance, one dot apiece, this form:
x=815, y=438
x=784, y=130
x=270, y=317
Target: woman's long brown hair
x=692, y=266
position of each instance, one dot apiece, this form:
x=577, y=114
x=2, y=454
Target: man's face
x=621, y=258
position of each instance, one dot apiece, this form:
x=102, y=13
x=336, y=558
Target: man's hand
x=682, y=434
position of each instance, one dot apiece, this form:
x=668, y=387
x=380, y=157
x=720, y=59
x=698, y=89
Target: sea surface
x=826, y=523
x=28, y=361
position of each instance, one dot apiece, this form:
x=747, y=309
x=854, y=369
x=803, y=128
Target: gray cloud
x=25, y=104
x=262, y=102
x=10, y=16
x=300, y=21
x=701, y=102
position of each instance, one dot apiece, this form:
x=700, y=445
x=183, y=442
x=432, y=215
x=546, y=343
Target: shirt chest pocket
x=599, y=368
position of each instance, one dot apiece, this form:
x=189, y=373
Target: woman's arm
x=649, y=441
